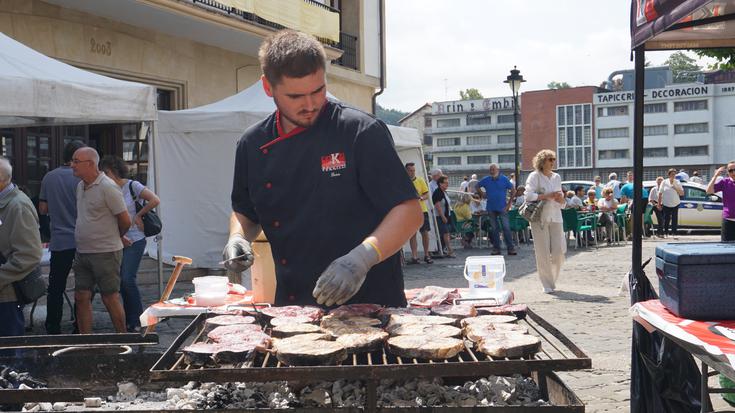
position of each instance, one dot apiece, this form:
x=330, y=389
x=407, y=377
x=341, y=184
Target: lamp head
x=514, y=80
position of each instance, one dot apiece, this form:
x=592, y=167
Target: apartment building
x=193, y=52
x=469, y=135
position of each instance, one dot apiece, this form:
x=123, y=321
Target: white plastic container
x=484, y=273
x=210, y=291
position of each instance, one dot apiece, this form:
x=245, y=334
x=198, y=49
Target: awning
x=682, y=24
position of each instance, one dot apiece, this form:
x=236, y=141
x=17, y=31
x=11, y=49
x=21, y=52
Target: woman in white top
x=548, y=234
x=653, y=200
x=669, y=193
x=134, y=240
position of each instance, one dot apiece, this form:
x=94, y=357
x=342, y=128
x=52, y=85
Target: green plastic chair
x=648, y=219
x=620, y=221
x=517, y=224
x=573, y=222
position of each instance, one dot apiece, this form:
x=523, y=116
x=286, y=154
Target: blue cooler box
x=697, y=280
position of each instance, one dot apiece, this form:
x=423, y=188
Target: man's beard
x=303, y=124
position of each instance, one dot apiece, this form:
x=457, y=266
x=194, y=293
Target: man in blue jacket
x=497, y=187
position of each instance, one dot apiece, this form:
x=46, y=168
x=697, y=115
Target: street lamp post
x=514, y=80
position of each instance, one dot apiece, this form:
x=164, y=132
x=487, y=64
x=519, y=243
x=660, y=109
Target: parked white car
x=697, y=209
x=570, y=185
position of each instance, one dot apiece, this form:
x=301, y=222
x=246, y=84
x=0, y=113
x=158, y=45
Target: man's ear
x=266, y=86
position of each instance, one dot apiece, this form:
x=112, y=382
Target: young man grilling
x=325, y=184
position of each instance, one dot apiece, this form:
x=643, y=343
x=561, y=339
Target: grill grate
x=558, y=354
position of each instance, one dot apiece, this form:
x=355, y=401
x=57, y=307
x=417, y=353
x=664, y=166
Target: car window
x=695, y=194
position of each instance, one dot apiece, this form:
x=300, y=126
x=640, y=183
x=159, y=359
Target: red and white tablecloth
x=716, y=337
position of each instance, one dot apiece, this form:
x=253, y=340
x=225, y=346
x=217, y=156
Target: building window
x=560, y=118
x=447, y=123
x=690, y=105
x=428, y=140
x=613, y=154
x=479, y=160
x=613, y=111
x=449, y=160
x=427, y=122
x=691, y=151
x=613, y=133
x=135, y=151
x=684, y=128
x=654, y=108
x=655, y=130
x=506, y=139
x=479, y=140
x=506, y=158
x=506, y=118
x=655, y=152
x=478, y=120
x=448, y=141
x=574, y=140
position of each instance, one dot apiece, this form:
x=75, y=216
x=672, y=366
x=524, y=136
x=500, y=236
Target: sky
x=435, y=48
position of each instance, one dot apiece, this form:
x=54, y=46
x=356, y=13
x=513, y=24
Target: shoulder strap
x=130, y=188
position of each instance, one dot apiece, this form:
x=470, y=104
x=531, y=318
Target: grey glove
x=345, y=275
x=235, y=247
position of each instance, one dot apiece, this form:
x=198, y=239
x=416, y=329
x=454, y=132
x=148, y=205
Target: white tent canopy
x=195, y=161
x=39, y=90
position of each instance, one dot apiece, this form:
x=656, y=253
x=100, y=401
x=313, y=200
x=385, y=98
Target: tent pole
x=432, y=216
x=159, y=237
x=638, y=205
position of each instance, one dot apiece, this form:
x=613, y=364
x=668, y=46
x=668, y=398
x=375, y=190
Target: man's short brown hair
x=292, y=54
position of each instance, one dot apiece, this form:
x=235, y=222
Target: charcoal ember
x=493, y=391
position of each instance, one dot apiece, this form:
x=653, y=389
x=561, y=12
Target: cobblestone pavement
x=587, y=308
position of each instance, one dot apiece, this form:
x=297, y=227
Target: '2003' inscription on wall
x=103, y=48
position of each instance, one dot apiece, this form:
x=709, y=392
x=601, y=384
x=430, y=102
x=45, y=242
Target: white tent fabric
x=39, y=90
x=195, y=163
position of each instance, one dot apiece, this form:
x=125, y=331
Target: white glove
x=235, y=247
x=345, y=275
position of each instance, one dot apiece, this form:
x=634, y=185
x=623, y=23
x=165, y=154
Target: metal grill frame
x=168, y=366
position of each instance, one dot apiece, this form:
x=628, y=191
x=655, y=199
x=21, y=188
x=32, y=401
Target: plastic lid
x=697, y=252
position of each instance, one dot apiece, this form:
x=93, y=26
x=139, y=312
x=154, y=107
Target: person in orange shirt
x=422, y=190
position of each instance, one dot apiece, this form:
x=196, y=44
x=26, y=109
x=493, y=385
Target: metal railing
x=348, y=44
x=213, y=4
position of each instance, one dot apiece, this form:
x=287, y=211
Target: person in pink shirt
x=725, y=185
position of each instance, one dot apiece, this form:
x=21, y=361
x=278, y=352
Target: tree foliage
x=389, y=116
x=725, y=58
x=558, y=85
x=470, y=94
x=683, y=68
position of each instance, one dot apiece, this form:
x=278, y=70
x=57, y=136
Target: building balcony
x=473, y=128
x=475, y=148
x=229, y=24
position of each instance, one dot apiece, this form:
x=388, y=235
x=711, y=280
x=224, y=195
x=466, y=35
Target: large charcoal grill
x=558, y=354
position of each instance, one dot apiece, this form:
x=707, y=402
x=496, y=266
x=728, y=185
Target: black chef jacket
x=319, y=193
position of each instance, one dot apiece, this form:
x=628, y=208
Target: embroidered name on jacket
x=333, y=162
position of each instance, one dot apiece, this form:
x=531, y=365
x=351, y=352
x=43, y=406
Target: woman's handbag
x=151, y=222
x=30, y=288
x=531, y=211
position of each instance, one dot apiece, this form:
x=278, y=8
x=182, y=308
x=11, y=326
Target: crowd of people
x=96, y=230
x=496, y=194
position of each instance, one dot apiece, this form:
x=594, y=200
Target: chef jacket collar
x=281, y=136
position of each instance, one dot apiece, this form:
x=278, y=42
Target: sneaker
x=512, y=252
x=495, y=252
x=548, y=290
